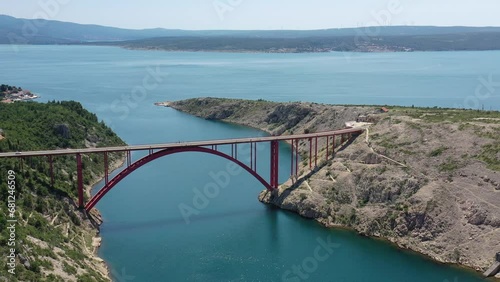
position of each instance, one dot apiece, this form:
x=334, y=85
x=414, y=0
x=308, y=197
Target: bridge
x=213, y=147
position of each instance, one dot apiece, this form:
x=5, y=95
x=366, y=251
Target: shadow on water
x=130, y=226
x=272, y=216
x=273, y=230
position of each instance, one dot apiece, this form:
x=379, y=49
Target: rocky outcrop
x=288, y=115
x=62, y=130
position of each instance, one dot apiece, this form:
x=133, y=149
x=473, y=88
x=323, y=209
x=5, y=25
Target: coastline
x=395, y=244
x=242, y=51
x=332, y=226
x=387, y=240
x=199, y=107
x=288, y=51
x=103, y=267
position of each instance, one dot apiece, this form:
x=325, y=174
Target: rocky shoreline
x=88, y=228
x=404, y=181
x=96, y=217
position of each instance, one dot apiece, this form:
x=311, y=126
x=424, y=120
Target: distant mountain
x=24, y=31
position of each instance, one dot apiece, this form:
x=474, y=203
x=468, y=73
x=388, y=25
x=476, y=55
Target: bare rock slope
x=425, y=179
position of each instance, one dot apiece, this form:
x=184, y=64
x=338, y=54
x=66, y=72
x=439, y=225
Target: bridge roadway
x=179, y=145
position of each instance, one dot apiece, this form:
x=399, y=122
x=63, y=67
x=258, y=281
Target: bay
x=235, y=237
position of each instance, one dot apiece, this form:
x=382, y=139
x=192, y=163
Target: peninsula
x=10, y=94
x=426, y=179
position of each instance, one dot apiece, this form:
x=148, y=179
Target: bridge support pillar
x=274, y=164
x=327, y=147
x=79, y=176
x=129, y=158
x=292, y=160
x=106, y=168
x=310, y=153
x=51, y=167
x=251, y=156
x=333, y=146
x=297, y=158
x=316, y=153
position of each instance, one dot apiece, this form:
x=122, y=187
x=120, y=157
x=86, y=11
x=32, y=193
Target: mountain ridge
x=41, y=31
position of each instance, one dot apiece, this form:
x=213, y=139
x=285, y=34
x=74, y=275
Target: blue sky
x=259, y=14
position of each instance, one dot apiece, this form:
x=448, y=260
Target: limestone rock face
x=309, y=205
x=289, y=115
x=24, y=261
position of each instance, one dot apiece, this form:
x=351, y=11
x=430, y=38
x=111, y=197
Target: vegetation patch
x=438, y=152
x=491, y=156
x=47, y=212
x=449, y=165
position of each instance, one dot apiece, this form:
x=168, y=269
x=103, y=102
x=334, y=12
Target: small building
x=384, y=110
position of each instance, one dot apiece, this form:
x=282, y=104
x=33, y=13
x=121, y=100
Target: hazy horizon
x=90, y=24
x=259, y=14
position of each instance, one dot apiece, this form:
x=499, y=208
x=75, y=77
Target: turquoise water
x=233, y=237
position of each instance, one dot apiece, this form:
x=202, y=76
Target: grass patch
x=408, y=152
x=386, y=143
x=489, y=155
x=68, y=268
x=449, y=165
x=436, y=115
x=438, y=152
x=74, y=255
x=465, y=126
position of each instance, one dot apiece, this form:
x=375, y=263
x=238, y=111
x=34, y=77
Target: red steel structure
x=209, y=147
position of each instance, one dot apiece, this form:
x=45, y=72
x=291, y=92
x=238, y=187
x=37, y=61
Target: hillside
x=25, y=31
x=54, y=241
x=371, y=39
x=473, y=41
x=427, y=179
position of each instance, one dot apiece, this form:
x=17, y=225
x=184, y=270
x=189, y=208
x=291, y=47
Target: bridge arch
x=147, y=159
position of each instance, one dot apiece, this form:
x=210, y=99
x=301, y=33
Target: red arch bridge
x=210, y=147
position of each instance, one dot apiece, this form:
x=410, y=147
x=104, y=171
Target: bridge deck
x=179, y=144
